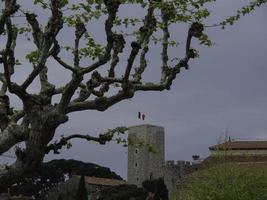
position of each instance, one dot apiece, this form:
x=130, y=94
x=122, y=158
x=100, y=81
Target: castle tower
x=142, y=163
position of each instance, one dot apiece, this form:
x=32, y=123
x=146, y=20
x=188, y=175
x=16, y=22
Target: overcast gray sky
x=224, y=91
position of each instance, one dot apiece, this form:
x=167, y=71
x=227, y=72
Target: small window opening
x=151, y=176
x=135, y=164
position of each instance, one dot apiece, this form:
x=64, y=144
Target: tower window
x=151, y=176
x=135, y=164
x=136, y=151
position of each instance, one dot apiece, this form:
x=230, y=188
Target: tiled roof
x=255, y=167
x=211, y=160
x=241, y=145
x=103, y=181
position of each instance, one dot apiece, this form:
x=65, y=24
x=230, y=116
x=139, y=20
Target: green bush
x=225, y=182
x=123, y=192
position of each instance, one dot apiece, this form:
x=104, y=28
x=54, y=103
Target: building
x=253, y=153
x=146, y=158
x=94, y=186
x=142, y=164
x=240, y=148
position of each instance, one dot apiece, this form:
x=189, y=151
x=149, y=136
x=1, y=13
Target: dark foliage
x=157, y=187
x=51, y=173
x=123, y=192
x=82, y=191
x=126, y=192
x=81, y=168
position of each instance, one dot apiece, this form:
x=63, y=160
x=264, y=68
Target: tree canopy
x=59, y=36
x=52, y=173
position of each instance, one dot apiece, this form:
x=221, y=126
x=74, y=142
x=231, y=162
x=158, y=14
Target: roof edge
x=147, y=125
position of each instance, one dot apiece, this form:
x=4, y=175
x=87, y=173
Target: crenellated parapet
x=146, y=165
x=174, y=171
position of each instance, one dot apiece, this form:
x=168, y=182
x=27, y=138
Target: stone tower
x=142, y=163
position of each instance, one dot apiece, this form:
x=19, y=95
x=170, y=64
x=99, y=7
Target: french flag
x=141, y=116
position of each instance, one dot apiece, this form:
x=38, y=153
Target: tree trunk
x=27, y=163
x=30, y=159
x=36, y=148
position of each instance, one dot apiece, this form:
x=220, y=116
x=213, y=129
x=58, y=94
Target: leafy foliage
x=123, y=192
x=103, y=71
x=53, y=172
x=242, y=12
x=82, y=191
x=157, y=187
x=226, y=182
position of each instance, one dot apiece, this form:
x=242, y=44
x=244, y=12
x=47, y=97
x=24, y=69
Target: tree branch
x=68, y=92
x=17, y=116
x=12, y=135
x=195, y=30
x=8, y=57
x=79, y=31
x=101, y=139
x=165, y=45
x=63, y=64
x=4, y=84
x=11, y=7
x=38, y=37
x=8, y=60
x=36, y=31
x=146, y=32
x=101, y=103
x=112, y=8
x=55, y=51
x=70, y=88
x=135, y=49
x=118, y=46
x=55, y=23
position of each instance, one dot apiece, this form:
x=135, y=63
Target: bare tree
x=37, y=121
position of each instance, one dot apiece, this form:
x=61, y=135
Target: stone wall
x=65, y=189
x=6, y=196
x=228, y=152
x=173, y=172
x=142, y=163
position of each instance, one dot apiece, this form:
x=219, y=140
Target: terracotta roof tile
x=255, y=167
x=103, y=181
x=211, y=160
x=241, y=145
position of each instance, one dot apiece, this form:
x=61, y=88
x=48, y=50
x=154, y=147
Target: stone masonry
x=146, y=165
x=143, y=164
